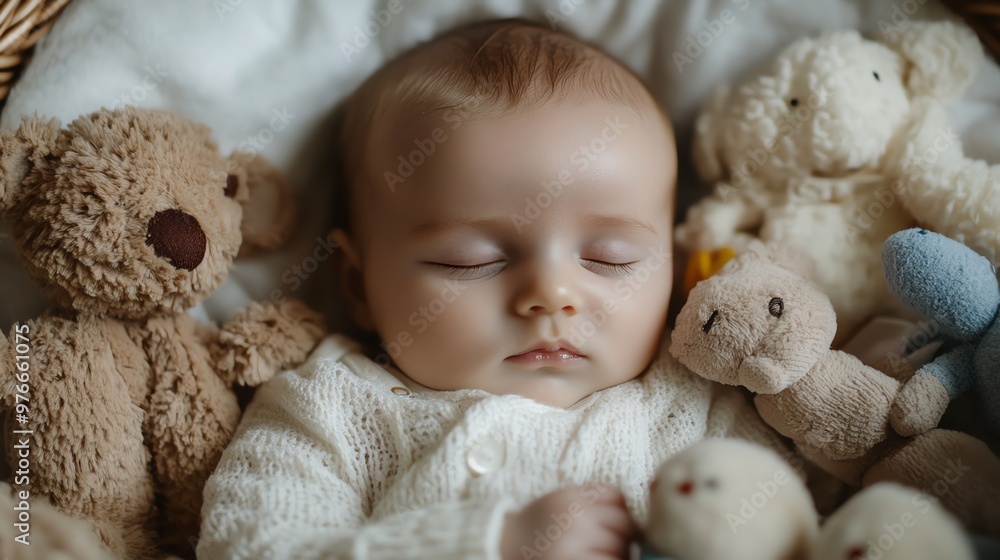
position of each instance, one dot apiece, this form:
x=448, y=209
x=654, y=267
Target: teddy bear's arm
x=922, y=401
x=264, y=339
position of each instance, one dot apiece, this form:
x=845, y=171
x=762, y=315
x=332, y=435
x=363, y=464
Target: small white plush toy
x=887, y=521
x=729, y=499
x=808, y=153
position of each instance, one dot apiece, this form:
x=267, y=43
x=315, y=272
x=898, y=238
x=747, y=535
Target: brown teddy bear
x=761, y=325
x=127, y=218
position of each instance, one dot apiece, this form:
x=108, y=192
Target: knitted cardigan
x=342, y=458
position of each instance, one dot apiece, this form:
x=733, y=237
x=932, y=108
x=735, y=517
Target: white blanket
x=264, y=74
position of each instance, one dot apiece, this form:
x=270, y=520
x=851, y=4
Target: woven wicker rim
x=984, y=18
x=22, y=24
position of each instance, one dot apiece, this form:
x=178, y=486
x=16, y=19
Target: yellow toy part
x=703, y=264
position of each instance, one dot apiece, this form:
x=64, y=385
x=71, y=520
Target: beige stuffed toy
x=761, y=325
x=729, y=499
x=891, y=522
x=808, y=153
x=45, y=532
x=127, y=219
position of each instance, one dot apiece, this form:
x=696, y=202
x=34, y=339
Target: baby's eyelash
x=463, y=272
x=473, y=272
x=613, y=267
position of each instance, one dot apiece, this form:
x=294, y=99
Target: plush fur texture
x=700, y=505
x=837, y=410
x=891, y=522
x=806, y=153
x=945, y=191
x=128, y=218
x=955, y=287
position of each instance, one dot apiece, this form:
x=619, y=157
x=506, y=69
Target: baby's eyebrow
x=594, y=220
x=616, y=220
x=436, y=227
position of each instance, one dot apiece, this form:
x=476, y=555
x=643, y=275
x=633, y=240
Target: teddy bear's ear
x=708, y=130
x=21, y=151
x=941, y=58
x=270, y=206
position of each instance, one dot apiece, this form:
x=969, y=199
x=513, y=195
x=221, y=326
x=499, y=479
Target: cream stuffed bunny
x=798, y=154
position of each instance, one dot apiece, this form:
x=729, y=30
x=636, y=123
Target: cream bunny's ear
x=270, y=204
x=708, y=131
x=941, y=57
x=23, y=151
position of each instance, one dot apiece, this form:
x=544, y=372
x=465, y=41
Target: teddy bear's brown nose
x=176, y=237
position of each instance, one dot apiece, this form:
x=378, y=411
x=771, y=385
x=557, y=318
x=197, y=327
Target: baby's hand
x=575, y=523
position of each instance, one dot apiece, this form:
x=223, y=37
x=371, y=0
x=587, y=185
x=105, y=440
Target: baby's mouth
x=558, y=354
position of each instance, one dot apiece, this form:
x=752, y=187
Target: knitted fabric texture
x=344, y=459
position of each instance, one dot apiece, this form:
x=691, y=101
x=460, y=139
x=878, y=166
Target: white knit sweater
x=344, y=459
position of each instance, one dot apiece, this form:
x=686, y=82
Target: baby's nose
x=177, y=237
x=547, y=296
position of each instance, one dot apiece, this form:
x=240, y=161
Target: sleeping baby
x=506, y=237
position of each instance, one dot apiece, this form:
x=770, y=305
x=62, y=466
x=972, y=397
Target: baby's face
x=525, y=255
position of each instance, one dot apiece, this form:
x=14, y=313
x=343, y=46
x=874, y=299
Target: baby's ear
x=270, y=205
x=941, y=57
x=23, y=151
x=351, y=279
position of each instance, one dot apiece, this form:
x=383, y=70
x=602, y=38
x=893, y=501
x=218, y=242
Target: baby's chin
x=557, y=389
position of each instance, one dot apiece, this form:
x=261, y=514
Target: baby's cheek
x=637, y=310
x=454, y=329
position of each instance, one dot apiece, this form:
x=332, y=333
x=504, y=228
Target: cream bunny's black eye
x=232, y=183
x=877, y=79
x=794, y=102
x=776, y=306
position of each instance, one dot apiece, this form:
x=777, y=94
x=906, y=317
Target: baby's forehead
x=575, y=128
x=410, y=112
x=564, y=155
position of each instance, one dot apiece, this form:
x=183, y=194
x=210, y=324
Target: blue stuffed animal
x=956, y=288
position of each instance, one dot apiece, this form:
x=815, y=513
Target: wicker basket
x=22, y=24
x=983, y=17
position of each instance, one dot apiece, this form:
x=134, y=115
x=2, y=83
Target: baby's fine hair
x=487, y=69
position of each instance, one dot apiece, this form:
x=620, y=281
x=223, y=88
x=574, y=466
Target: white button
x=402, y=392
x=486, y=456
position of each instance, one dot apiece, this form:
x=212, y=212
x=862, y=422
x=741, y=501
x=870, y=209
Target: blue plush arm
x=954, y=370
